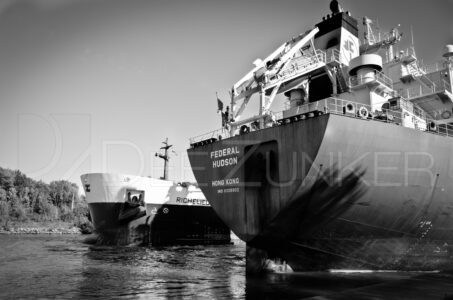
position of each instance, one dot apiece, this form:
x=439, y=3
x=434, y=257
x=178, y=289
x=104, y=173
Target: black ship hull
x=335, y=192
x=161, y=225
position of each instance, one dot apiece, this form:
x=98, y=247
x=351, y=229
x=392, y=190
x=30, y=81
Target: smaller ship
x=128, y=209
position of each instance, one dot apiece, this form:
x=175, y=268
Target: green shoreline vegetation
x=28, y=206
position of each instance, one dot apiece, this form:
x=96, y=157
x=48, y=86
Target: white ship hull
x=129, y=209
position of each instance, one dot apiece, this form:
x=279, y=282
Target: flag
x=219, y=104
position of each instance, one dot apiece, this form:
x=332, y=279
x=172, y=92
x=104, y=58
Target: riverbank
x=48, y=227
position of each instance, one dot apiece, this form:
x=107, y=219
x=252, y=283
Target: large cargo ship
x=128, y=209
x=356, y=172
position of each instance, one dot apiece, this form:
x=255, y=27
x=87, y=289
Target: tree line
x=23, y=199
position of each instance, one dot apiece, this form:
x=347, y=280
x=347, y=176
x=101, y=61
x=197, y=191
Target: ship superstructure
x=326, y=68
x=356, y=171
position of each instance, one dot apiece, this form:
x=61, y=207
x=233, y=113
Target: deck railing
x=422, y=90
x=435, y=67
x=222, y=133
x=299, y=65
x=405, y=114
x=407, y=117
x=375, y=76
x=332, y=56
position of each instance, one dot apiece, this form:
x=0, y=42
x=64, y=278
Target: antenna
x=165, y=157
x=412, y=37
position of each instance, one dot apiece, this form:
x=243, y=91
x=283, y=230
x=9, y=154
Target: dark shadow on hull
x=310, y=210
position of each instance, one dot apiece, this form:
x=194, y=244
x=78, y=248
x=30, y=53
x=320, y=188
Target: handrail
x=419, y=91
x=377, y=76
x=215, y=134
x=401, y=55
x=332, y=55
x=435, y=67
x=297, y=66
x=402, y=117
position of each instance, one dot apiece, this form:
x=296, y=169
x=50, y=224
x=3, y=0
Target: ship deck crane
x=268, y=75
x=372, y=44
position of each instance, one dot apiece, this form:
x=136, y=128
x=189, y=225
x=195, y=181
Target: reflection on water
x=322, y=285
x=65, y=267
x=207, y=272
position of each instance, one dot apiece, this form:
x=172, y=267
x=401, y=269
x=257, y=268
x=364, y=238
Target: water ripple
x=64, y=267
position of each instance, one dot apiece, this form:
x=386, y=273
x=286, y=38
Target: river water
x=52, y=266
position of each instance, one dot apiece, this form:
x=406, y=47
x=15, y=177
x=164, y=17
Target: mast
x=165, y=157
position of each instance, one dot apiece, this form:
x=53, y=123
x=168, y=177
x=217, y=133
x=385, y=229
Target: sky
x=97, y=85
